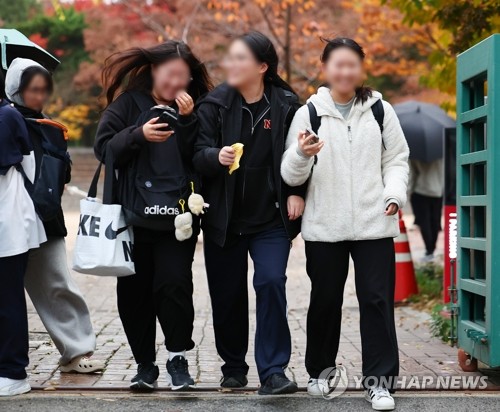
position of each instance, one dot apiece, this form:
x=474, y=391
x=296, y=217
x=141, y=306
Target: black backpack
x=149, y=200
x=47, y=189
x=377, y=110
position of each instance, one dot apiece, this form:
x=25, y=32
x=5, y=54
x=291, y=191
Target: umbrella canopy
x=15, y=44
x=423, y=125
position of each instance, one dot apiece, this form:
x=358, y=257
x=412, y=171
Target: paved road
x=112, y=402
x=420, y=354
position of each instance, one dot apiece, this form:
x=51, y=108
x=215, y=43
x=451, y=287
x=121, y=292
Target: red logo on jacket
x=267, y=124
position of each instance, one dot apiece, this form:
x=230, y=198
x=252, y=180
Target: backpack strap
x=378, y=113
x=30, y=187
x=314, y=118
x=315, y=121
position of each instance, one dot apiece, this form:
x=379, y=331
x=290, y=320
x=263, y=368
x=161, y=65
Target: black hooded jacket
x=220, y=120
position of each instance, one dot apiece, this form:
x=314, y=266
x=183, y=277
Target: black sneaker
x=145, y=380
x=178, y=373
x=278, y=384
x=234, y=382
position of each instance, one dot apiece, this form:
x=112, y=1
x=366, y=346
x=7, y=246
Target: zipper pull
x=349, y=133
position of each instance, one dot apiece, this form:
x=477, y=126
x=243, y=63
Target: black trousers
x=14, y=341
x=427, y=212
x=162, y=288
x=327, y=267
x=227, y=271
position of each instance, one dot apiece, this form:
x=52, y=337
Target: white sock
x=172, y=355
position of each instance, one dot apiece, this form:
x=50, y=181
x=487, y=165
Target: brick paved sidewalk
x=420, y=354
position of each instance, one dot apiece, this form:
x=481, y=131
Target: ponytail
x=363, y=93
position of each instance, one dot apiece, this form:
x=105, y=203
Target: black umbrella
x=423, y=125
x=15, y=44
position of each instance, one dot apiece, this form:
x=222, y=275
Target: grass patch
x=440, y=324
x=430, y=287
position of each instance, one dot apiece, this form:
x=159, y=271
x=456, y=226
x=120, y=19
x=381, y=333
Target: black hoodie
x=120, y=132
x=221, y=118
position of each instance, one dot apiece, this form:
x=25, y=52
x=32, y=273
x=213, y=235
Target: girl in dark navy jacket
x=20, y=231
x=251, y=210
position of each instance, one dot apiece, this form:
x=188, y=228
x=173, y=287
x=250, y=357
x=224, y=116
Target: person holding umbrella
x=426, y=188
x=48, y=281
x=20, y=231
x=423, y=125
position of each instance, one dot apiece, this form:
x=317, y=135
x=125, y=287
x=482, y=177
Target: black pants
x=14, y=341
x=427, y=212
x=327, y=267
x=162, y=288
x=227, y=271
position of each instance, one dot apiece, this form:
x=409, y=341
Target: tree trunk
x=288, y=46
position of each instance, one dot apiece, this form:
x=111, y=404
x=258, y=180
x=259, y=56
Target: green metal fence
x=478, y=200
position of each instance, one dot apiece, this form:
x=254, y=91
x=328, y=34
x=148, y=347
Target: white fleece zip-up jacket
x=355, y=178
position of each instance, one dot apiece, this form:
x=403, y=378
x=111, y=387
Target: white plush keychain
x=196, y=203
x=183, y=224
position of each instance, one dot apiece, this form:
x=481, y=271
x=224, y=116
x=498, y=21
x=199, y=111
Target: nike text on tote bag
x=104, y=242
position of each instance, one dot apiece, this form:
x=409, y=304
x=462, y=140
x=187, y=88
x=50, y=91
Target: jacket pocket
x=259, y=197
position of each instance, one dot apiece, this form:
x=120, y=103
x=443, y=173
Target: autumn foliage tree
x=410, y=44
x=453, y=26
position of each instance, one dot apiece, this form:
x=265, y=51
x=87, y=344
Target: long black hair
x=264, y=51
x=28, y=75
x=362, y=92
x=133, y=67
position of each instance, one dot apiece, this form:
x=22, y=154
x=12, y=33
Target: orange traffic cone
x=406, y=284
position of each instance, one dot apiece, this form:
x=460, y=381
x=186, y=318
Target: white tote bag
x=104, y=241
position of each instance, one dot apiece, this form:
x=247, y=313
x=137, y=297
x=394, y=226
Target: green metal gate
x=478, y=200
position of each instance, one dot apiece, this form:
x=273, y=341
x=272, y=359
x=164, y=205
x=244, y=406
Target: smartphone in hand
x=314, y=138
x=167, y=115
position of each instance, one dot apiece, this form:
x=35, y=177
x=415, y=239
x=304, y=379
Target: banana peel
x=238, y=151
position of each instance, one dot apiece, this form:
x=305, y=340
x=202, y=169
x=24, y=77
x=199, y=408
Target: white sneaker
x=380, y=398
x=318, y=387
x=11, y=387
x=83, y=364
x=428, y=258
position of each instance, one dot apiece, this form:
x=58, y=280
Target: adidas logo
x=164, y=211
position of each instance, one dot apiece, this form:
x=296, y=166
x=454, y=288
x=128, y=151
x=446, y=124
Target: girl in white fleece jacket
x=358, y=175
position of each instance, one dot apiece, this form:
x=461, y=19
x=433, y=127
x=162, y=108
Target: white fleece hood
x=355, y=177
x=13, y=78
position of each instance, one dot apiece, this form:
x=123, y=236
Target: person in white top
x=48, y=281
x=357, y=170
x=20, y=231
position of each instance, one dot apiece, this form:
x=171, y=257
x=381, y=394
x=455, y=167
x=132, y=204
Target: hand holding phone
x=314, y=137
x=154, y=132
x=309, y=143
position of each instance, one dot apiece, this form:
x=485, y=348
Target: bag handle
x=109, y=179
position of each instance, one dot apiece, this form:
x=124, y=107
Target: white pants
x=58, y=300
